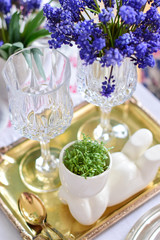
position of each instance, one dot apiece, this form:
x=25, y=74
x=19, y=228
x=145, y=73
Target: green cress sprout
x=86, y=158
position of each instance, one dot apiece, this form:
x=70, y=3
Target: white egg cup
x=130, y=171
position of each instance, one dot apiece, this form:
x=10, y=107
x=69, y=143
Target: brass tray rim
x=114, y=217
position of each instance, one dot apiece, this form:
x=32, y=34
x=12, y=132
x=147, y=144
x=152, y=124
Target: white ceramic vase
x=82, y=194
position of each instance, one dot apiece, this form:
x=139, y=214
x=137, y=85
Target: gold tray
x=59, y=216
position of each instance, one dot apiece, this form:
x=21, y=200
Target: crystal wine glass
x=41, y=108
x=119, y=83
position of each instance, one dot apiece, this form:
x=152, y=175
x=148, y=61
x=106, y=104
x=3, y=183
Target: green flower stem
x=91, y=10
x=82, y=18
x=133, y=28
x=121, y=28
x=117, y=11
x=2, y=29
x=117, y=3
x=133, y=58
x=110, y=36
x=87, y=14
x=99, y=10
x=110, y=75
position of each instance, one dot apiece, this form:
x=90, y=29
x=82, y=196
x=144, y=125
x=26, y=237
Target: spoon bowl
x=34, y=212
x=32, y=209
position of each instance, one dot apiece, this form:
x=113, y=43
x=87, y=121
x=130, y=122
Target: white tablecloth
x=119, y=230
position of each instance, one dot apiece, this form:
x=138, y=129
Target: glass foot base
x=116, y=136
x=37, y=181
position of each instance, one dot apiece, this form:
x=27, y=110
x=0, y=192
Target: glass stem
x=45, y=151
x=43, y=163
x=105, y=119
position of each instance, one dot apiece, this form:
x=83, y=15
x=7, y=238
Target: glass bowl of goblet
x=106, y=87
x=41, y=108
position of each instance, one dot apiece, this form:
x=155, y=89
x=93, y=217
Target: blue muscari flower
x=152, y=14
x=74, y=6
x=108, y=87
x=99, y=44
x=27, y=6
x=109, y=3
x=136, y=4
x=125, y=44
x=152, y=20
x=111, y=57
x=124, y=40
x=59, y=23
x=141, y=49
x=140, y=17
x=90, y=4
x=89, y=40
x=7, y=20
x=106, y=15
x=153, y=45
x=128, y=14
x=154, y=3
x=5, y=6
x=1, y=43
x=147, y=61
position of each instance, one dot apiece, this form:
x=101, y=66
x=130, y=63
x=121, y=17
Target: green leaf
x=36, y=35
x=3, y=54
x=33, y=24
x=27, y=56
x=12, y=50
x=36, y=55
x=15, y=47
x=36, y=52
x=6, y=46
x=18, y=45
x=14, y=28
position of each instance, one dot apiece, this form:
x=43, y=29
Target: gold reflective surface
x=58, y=215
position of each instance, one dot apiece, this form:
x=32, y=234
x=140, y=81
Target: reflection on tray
x=58, y=214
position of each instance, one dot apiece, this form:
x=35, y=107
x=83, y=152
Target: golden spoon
x=34, y=212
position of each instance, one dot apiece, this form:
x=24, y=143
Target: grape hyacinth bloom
x=109, y=3
x=125, y=44
x=27, y=6
x=106, y=15
x=147, y=61
x=1, y=43
x=90, y=4
x=136, y=4
x=111, y=58
x=141, y=49
x=154, y=3
x=128, y=14
x=84, y=31
x=60, y=24
x=108, y=87
x=140, y=18
x=5, y=6
x=73, y=6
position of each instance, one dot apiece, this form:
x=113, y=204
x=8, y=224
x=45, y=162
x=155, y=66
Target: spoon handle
x=56, y=231
x=44, y=226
